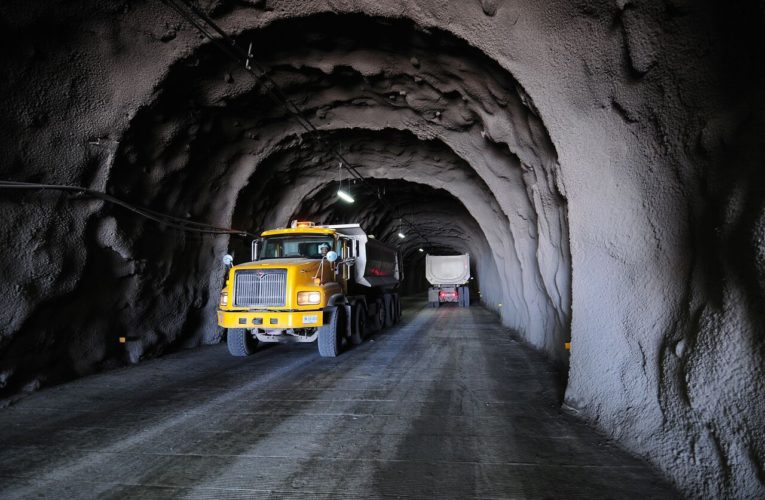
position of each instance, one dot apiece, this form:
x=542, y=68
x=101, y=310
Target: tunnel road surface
x=446, y=405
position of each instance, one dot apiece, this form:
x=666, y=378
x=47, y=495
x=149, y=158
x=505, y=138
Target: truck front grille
x=260, y=287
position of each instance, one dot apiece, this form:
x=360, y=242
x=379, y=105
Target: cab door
x=345, y=253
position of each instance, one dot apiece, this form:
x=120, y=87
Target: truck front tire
x=330, y=337
x=240, y=342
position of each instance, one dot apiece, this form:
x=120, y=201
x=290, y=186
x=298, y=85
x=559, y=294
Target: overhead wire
x=159, y=217
x=233, y=50
x=230, y=47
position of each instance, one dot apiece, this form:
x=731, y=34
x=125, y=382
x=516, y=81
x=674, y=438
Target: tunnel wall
x=655, y=113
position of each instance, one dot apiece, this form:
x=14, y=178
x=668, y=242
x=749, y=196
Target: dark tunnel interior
x=600, y=162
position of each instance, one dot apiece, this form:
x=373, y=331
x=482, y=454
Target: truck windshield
x=285, y=247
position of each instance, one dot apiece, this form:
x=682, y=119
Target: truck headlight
x=308, y=298
x=223, y=298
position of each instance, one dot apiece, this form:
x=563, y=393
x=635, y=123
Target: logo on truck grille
x=260, y=275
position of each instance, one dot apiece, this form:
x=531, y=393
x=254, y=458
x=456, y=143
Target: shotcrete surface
x=446, y=405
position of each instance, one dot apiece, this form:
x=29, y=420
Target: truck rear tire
x=390, y=310
x=359, y=324
x=330, y=337
x=378, y=318
x=465, y=296
x=240, y=342
x=397, y=304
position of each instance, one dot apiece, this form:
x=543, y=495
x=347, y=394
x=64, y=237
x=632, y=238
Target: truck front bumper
x=268, y=320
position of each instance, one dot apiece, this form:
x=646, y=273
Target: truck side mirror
x=332, y=256
x=228, y=260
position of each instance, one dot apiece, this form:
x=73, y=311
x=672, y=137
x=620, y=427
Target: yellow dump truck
x=308, y=282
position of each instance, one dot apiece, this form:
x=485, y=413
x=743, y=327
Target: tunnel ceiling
x=600, y=161
x=397, y=166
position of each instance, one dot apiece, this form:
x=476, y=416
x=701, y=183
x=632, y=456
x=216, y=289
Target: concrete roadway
x=445, y=405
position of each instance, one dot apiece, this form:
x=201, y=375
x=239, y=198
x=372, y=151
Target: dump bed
x=447, y=269
x=377, y=264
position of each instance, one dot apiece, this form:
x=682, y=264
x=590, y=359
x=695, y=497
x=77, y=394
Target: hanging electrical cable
x=161, y=218
x=206, y=26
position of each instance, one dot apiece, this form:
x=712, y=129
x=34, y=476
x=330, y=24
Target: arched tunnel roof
x=480, y=139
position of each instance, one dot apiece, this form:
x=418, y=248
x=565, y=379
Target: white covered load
x=448, y=276
x=447, y=269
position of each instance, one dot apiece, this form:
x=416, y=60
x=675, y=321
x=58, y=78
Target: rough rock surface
x=601, y=160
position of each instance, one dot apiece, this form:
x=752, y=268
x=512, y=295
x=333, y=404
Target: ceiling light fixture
x=343, y=195
x=401, y=235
